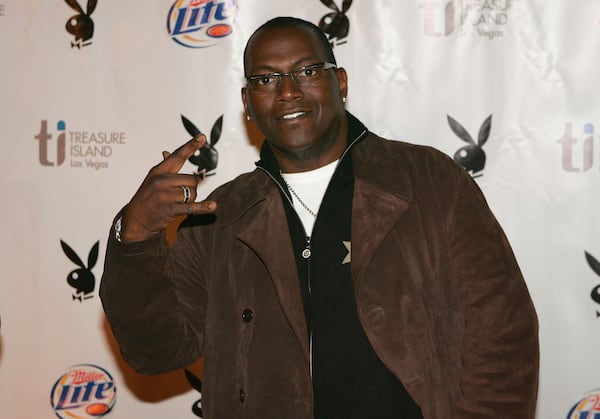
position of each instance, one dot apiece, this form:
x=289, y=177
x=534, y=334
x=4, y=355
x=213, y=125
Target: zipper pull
x=306, y=252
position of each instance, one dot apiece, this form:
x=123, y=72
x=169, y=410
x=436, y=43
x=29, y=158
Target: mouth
x=292, y=115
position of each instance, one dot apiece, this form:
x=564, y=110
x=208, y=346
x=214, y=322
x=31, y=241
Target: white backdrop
x=82, y=120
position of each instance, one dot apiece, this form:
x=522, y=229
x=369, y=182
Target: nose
x=288, y=88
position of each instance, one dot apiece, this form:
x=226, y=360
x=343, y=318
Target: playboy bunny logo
x=207, y=157
x=336, y=24
x=595, y=265
x=197, y=385
x=472, y=156
x=82, y=278
x=81, y=25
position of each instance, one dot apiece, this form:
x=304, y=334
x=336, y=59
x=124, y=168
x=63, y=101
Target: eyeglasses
x=301, y=76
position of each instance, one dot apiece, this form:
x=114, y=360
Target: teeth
x=293, y=115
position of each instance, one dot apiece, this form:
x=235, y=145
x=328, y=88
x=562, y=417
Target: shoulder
x=237, y=196
x=233, y=198
x=241, y=184
x=377, y=153
x=422, y=175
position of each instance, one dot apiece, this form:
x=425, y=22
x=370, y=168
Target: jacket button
x=242, y=395
x=247, y=315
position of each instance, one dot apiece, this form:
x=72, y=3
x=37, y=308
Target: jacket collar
x=268, y=163
x=382, y=193
x=383, y=189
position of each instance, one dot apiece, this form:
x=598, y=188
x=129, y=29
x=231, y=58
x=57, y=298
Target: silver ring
x=186, y=194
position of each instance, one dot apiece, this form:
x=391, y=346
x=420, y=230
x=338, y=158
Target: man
x=348, y=276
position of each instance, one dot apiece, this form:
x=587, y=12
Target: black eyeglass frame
x=292, y=74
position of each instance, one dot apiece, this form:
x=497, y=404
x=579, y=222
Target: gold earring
x=344, y=99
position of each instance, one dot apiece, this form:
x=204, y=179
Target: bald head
x=286, y=22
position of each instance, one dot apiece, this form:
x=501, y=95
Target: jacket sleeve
x=157, y=316
x=500, y=353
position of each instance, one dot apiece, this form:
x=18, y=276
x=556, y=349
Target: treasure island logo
x=82, y=392
x=477, y=18
x=586, y=408
x=81, y=25
x=201, y=23
x=78, y=149
x=577, y=156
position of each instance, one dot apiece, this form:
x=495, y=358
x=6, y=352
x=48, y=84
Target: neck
x=323, y=152
x=305, y=165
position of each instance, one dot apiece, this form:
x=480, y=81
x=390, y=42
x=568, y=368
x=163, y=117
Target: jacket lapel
x=268, y=235
x=382, y=193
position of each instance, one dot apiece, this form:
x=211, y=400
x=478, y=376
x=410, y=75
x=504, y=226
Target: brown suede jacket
x=438, y=291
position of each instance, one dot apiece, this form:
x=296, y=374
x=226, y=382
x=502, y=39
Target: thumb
x=165, y=155
x=203, y=207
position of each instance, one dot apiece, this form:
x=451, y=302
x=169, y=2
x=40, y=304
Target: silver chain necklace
x=311, y=212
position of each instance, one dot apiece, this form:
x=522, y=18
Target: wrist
x=126, y=231
x=118, y=227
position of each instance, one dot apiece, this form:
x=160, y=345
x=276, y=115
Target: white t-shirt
x=309, y=188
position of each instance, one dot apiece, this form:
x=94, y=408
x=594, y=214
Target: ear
x=459, y=130
x=342, y=77
x=194, y=381
x=245, y=101
x=93, y=255
x=71, y=254
x=331, y=4
x=484, y=131
x=593, y=262
x=75, y=6
x=91, y=6
x=215, y=132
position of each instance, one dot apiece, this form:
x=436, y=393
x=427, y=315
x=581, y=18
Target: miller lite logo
x=82, y=392
x=201, y=23
x=586, y=408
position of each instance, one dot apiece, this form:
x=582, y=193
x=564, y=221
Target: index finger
x=174, y=162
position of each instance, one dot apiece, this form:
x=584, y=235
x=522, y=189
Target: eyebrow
x=302, y=62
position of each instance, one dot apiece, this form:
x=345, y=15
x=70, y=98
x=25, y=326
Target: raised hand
x=164, y=195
